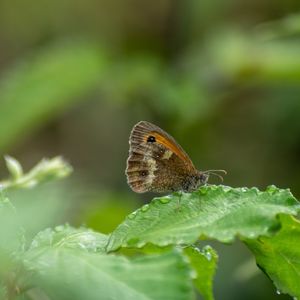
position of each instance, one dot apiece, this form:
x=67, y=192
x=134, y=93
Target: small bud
x=45, y=170
x=48, y=169
x=14, y=167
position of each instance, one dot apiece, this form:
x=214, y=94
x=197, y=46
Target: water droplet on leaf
x=271, y=189
x=227, y=189
x=207, y=255
x=132, y=216
x=164, y=200
x=203, y=190
x=213, y=187
x=255, y=189
x=145, y=207
x=207, y=252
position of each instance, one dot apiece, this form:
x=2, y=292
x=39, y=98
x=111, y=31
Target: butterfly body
x=156, y=163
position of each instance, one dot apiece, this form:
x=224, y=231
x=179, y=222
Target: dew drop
x=255, y=190
x=213, y=188
x=278, y=292
x=271, y=189
x=132, y=216
x=164, y=200
x=227, y=189
x=203, y=190
x=145, y=207
x=207, y=252
x=207, y=255
x=207, y=248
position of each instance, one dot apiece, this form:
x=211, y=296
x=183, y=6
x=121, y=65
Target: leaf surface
x=279, y=256
x=69, y=237
x=217, y=212
x=35, y=90
x=204, y=262
x=65, y=274
x=11, y=231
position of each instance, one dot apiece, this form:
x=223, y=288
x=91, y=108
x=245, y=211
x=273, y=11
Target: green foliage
x=258, y=56
x=217, y=212
x=45, y=85
x=69, y=237
x=80, y=269
x=79, y=263
x=204, y=262
x=72, y=274
x=279, y=256
x=11, y=230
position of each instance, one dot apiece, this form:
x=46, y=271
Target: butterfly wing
x=156, y=162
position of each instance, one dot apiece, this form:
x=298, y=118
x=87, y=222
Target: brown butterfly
x=156, y=163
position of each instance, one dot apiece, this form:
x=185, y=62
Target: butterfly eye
x=203, y=178
x=151, y=139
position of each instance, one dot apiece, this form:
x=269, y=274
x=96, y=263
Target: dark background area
x=222, y=77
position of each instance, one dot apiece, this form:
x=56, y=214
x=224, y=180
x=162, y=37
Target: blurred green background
x=223, y=77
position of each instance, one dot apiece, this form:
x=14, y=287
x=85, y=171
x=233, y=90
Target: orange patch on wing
x=169, y=145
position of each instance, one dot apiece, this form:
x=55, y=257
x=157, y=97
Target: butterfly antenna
x=218, y=175
x=215, y=173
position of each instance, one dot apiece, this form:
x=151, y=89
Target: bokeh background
x=223, y=77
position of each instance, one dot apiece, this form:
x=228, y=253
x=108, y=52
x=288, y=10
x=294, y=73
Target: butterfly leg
x=178, y=207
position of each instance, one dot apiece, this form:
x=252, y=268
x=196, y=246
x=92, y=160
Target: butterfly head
x=203, y=178
x=193, y=182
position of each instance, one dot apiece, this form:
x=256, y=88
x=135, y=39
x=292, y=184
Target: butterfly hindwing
x=156, y=162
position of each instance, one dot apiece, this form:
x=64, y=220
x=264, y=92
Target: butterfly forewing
x=156, y=162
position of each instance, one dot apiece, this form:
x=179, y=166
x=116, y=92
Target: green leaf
x=279, y=256
x=11, y=243
x=217, y=212
x=244, y=55
x=70, y=274
x=204, y=262
x=69, y=237
x=44, y=85
x=63, y=263
x=11, y=231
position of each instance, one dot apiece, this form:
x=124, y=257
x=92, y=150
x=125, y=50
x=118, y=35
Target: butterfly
x=157, y=163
